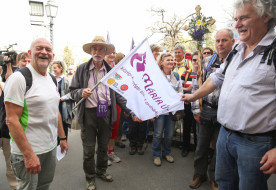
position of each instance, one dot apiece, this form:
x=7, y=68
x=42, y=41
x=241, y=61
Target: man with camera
x=8, y=62
x=5, y=139
x=9, y=65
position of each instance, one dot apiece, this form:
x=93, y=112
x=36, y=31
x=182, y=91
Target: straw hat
x=98, y=40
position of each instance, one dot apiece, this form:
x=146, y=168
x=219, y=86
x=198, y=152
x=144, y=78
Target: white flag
x=108, y=38
x=132, y=46
x=139, y=79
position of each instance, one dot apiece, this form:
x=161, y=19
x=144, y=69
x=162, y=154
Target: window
x=36, y=8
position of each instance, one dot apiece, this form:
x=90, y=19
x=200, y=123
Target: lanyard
x=96, y=83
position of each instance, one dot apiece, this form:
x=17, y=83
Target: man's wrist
x=62, y=139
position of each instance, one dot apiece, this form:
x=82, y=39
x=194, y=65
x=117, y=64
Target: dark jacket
x=67, y=105
x=80, y=82
x=4, y=130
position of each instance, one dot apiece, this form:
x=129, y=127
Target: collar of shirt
x=60, y=78
x=180, y=63
x=266, y=41
x=92, y=66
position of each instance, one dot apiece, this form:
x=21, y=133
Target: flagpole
x=126, y=57
x=85, y=98
x=111, y=71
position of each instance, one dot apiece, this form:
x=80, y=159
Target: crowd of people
x=229, y=96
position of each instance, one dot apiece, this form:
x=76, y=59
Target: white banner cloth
x=139, y=79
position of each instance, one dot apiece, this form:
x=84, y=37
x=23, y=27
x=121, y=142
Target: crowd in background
x=196, y=76
x=160, y=130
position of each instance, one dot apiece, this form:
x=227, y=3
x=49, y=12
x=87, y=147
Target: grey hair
x=262, y=8
x=155, y=47
x=230, y=32
x=179, y=47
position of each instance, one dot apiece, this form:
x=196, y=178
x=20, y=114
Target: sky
x=77, y=22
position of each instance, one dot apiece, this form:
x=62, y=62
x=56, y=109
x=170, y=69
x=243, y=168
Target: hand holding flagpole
x=85, y=94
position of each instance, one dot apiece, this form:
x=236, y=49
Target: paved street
x=134, y=172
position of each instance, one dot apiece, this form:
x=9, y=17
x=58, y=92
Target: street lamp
x=51, y=11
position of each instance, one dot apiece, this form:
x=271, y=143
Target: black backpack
x=269, y=51
x=25, y=71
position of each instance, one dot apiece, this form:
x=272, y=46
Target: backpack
x=269, y=50
x=25, y=71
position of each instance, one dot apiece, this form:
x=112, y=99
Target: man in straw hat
x=93, y=120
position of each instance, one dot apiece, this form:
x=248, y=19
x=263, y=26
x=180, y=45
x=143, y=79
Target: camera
x=12, y=57
x=11, y=54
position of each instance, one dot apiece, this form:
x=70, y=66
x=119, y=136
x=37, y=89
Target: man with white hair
x=98, y=112
x=246, y=153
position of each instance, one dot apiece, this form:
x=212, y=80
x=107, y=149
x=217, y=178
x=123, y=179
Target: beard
x=97, y=58
x=42, y=65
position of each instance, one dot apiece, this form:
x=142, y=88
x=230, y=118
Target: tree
x=171, y=29
x=67, y=57
x=173, y=32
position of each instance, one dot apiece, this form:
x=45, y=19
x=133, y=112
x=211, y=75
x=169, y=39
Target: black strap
x=54, y=79
x=28, y=77
x=210, y=105
x=229, y=58
x=270, y=51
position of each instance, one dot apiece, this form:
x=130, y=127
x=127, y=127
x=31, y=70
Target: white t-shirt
x=39, y=118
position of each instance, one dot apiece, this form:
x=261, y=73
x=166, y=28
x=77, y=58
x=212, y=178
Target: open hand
x=269, y=162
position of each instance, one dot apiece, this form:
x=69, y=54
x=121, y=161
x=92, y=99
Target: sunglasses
x=59, y=63
x=207, y=52
x=194, y=60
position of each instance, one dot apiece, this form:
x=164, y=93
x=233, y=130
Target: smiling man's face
x=41, y=53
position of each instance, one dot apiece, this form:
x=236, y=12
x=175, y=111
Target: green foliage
x=85, y=60
x=67, y=57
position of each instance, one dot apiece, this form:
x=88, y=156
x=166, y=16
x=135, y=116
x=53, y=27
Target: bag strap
x=270, y=51
x=212, y=60
x=176, y=75
x=25, y=71
x=229, y=58
x=53, y=78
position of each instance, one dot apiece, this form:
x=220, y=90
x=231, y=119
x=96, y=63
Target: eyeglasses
x=194, y=60
x=207, y=52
